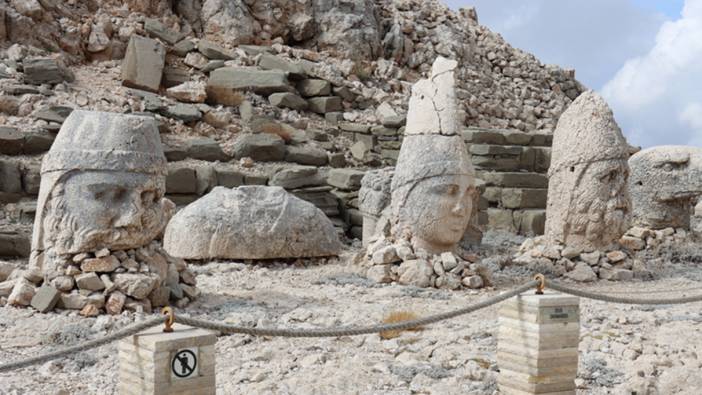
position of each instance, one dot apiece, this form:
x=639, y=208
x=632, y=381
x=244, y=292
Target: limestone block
x=143, y=63
x=513, y=179
x=537, y=345
x=500, y=219
x=261, y=147
x=39, y=71
x=530, y=222
x=229, y=178
x=14, y=244
x=325, y=104
x=11, y=141
x=213, y=51
x=45, y=298
x=314, y=87
x=296, y=177
x=271, y=62
x=523, y=198
x=180, y=179
x=225, y=83
x=347, y=179
x=306, y=155
x=180, y=362
x=156, y=29
x=205, y=148
x=484, y=136
x=250, y=222
x=288, y=100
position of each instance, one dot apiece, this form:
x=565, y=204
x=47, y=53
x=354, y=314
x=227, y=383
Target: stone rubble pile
x=105, y=281
x=399, y=262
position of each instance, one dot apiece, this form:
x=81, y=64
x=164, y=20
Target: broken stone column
x=374, y=197
x=665, y=183
x=588, y=200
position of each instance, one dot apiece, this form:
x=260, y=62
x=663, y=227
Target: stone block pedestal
x=181, y=362
x=537, y=347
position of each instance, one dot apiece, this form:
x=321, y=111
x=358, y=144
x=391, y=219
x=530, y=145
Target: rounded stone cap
x=587, y=132
x=95, y=140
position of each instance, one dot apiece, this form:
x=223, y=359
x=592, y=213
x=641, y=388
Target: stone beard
x=433, y=213
x=598, y=210
x=89, y=210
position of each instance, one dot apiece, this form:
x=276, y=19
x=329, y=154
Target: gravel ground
x=623, y=349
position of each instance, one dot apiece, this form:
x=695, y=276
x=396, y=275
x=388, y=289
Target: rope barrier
x=351, y=330
x=618, y=299
x=120, y=334
x=539, y=282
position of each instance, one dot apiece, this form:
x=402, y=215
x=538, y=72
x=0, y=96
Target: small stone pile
x=615, y=264
x=399, y=262
x=106, y=282
x=640, y=238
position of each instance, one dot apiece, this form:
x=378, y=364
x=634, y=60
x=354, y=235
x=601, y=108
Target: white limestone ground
x=623, y=348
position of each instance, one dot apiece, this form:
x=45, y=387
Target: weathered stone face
x=117, y=210
x=102, y=186
x=665, y=183
x=250, y=222
x=438, y=210
x=588, y=200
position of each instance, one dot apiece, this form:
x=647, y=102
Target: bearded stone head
x=588, y=199
x=102, y=186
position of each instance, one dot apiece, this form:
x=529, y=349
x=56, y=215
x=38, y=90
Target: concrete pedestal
x=176, y=363
x=537, y=346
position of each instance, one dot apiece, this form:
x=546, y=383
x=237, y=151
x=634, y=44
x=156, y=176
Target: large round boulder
x=250, y=222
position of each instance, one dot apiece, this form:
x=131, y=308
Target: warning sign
x=184, y=363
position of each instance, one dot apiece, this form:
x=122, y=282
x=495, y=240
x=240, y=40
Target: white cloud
x=658, y=94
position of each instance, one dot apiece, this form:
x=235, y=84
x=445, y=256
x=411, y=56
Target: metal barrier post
x=537, y=346
x=178, y=362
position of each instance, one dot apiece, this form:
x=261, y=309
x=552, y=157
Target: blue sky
x=643, y=56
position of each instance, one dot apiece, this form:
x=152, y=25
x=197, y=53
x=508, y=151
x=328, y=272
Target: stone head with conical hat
x=102, y=186
x=434, y=184
x=588, y=200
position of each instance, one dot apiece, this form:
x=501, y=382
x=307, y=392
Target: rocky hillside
x=304, y=95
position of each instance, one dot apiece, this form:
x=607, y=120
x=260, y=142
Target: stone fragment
x=582, y=273
x=72, y=301
x=156, y=29
x=271, y=62
x=226, y=84
x=89, y=281
x=584, y=208
x=213, y=51
x=39, y=71
x=143, y=64
x=385, y=255
x=138, y=286
x=63, y=283
x=189, y=92
x=196, y=60
x=288, y=100
x=205, y=148
x=448, y=281
x=181, y=179
x=103, y=265
x=473, y=282
x=570, y=252
x=173, y=76
x=9, y=104
x=11, y=141
x=314, y=87
x=665, y=184
x=247, y=223
x=324, y=104
x=448, y=261
x=115, y=303
x=306, y=155
x=616, y=256
x=260, y=147
x=632, y=243
x=183, y=47
x=347, y=179
x=56, y=114
x=359, y=150
x=22, y=293
x=591, y=258
x=159, y=296
x=380, y=273
x=90, y=310
x=416, y=272
x=45, y=299
x=616, y=274
x=296, y=177
x=184, y=112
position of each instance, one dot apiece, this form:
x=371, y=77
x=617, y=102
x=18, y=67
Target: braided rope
x=353, y=330
x=618, y=299
x=121, y=334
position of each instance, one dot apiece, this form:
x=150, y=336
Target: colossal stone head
x=102, y=186
x=665, y=183
x=588, y=200
x=433, y=187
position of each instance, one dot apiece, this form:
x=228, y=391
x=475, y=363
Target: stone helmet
x=592, y=135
